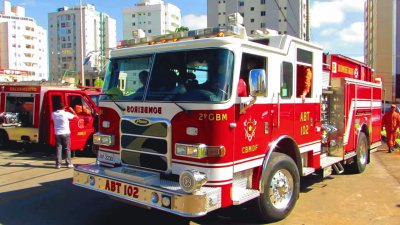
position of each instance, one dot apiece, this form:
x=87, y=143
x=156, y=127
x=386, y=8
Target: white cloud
x=353, y=5
x=325, y=13
x=194, y=22
x=329, y=32
x=353, y=34
x=333, y=12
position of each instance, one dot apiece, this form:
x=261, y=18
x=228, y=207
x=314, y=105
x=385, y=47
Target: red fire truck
x=196, y=121
x=26, y=113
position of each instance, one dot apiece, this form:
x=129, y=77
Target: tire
x=281, y=175
x=361, y=159
x=90, y=148
x=95, y=150
x=4, y=142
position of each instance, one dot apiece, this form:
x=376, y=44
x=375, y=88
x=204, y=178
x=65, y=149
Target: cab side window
x=287, y=80
x=249, y=62
x=79, y=105
x=304, y=74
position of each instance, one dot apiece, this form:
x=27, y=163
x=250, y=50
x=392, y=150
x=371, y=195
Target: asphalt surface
x=33, y=192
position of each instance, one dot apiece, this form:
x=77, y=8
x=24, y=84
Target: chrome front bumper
x=147, y=189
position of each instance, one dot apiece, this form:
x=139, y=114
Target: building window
x=252, y=9
x=133, y=15
x=149, y=14
x=262, y=13
x=241, y=3
x=252, y=20
x=149, y=31
x=133, y=24
x=242, y=14
x=262, y=2
x=262, y=25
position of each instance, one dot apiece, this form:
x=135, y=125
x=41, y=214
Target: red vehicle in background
x=26, y=113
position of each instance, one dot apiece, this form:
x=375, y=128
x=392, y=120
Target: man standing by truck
x=61, y=127
x=391, y=122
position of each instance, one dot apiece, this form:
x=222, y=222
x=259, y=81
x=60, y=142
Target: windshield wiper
x=111, y=97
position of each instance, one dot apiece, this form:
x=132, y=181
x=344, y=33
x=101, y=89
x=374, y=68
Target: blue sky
x=336, y=25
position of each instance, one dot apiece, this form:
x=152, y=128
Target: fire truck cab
x=197, y=121
x=26, y=113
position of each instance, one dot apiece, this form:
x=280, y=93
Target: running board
x=328, y=161
x=242, y=195
x=308, y=171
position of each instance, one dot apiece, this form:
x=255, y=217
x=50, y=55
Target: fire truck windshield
x=184, y=76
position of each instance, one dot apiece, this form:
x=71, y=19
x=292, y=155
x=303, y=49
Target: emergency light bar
x=223, y=31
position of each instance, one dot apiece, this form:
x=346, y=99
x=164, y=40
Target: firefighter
x=391, y=122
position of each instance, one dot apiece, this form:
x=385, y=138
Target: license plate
x=118, y=188
x=121, y=188
x=106, y=157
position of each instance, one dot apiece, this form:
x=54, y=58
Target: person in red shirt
x=391, y=122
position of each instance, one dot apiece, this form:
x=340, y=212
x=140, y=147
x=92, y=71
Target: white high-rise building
x=153, y=17
x=285, y=16
x=23, y=46
x=65, y=51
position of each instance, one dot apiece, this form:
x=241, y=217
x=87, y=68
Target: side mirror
x=258, y=83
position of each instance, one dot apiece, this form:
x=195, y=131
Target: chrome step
x=308, y=171
x=241, y=195
x=330, y=160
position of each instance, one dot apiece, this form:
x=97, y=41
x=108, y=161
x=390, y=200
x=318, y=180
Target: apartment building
x=382, y=43
x=68, y=49
x=152, y=17
x=23, y=46
x=285, y=16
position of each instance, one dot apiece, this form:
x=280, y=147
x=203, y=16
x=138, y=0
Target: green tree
x=98, y=82
x=181, y=28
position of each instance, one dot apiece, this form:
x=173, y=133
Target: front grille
x=145, y=143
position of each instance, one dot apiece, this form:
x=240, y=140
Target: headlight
x=103, y=139
x=199, y=151
x=191, y=180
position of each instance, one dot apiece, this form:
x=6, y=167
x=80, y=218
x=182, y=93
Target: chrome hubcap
x=281, y=189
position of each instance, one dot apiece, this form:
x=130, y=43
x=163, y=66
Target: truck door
x=46, y=126
x=307, y=103
x=253, y=123
x=83, y=127
x=284, y=108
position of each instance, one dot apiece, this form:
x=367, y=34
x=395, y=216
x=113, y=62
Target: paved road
x=33, y=192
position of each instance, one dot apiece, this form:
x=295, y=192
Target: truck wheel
x=361, y=159
x=3, y=139
x=95, y=149
x=281, y=187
